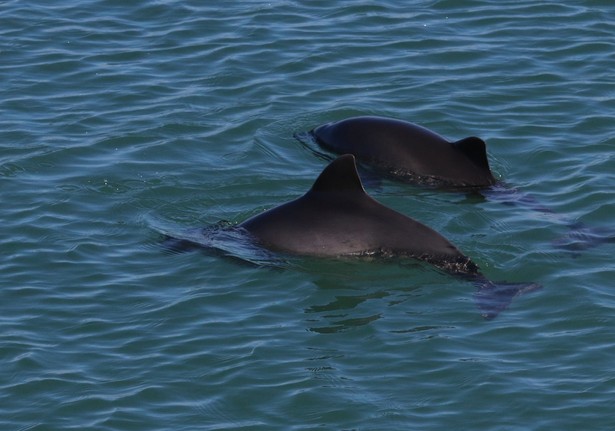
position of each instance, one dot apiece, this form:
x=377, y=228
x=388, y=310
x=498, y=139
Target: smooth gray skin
x=409, y=152
x=336, y=217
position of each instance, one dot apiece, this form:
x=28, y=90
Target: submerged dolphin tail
x=581, y=237
x=491, y=298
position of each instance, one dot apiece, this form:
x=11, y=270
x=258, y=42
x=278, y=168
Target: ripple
x=116, y=116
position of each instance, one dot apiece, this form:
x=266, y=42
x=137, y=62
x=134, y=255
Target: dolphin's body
x=408, y=152
x=336, y=218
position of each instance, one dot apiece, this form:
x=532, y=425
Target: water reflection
x=350, y=295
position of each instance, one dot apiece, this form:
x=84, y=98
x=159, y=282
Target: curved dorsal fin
x=340, y=175
x=475, y=149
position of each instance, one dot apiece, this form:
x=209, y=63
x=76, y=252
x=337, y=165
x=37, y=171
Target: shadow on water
x=345, y=305
x=347, y=293
x=345, y=289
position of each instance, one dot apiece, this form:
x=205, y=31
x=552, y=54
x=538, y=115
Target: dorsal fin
x=339, y=176
x=475, y=149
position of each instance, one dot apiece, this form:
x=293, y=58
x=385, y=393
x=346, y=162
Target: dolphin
x=337, y=218
x=408, y=152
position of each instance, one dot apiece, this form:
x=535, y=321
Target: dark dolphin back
x=408, y=151
x=336, y=217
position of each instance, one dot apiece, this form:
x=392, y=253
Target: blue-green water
x=121, y=120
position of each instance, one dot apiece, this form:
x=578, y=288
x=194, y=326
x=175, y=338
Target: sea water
x=122, y=121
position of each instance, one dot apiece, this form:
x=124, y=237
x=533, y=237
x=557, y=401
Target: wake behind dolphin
x=337, y=218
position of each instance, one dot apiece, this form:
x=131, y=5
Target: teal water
x=119, y=121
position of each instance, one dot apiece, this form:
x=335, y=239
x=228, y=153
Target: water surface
x=118, y=121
